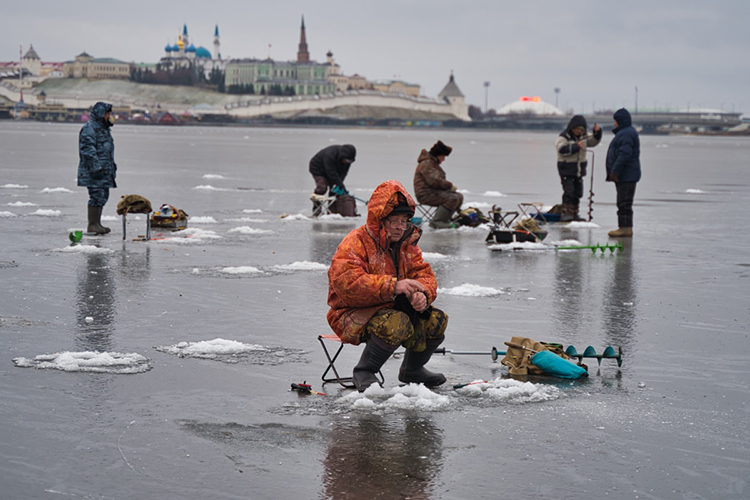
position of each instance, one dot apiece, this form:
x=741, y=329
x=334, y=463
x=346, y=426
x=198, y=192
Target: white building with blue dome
x=184, y=54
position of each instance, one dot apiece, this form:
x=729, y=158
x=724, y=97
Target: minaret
x=303, y=55
x=185, y=36
x=217, y=54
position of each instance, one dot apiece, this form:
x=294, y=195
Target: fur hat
x=440, y=149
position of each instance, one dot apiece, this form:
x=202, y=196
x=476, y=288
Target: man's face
x=396, y=226
x=440, y=159
x=578, y=131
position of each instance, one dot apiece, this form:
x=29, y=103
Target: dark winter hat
x=623, y=118
x=440, y=149
x=402, y=208
x=577, y=121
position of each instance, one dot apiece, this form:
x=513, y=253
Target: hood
x=425, y=155
x=99, y=110
x=576, y=121
x=382, y=202
x=622, y=117
x=348, y=152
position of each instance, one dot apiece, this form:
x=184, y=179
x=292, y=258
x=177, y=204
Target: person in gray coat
x=624, y=169
x=96, y=166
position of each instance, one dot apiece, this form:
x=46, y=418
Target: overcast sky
x=678, y=53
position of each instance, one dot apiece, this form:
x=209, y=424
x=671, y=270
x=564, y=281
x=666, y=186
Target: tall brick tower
x=303, y=55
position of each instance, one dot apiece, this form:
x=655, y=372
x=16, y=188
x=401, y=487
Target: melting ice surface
x=88, y=361
x=85, y=249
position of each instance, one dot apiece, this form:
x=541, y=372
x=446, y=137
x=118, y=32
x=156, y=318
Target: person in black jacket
x=624, y=169
x=571, y=147
x=329, y=168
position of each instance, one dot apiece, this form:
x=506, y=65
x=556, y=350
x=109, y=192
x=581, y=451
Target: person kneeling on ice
x=329, y=167
x=380, y=291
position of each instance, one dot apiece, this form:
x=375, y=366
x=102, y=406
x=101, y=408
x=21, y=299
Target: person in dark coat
x=571, y=163
x=432, y=188
x=97, y=169
x=624, y=169
x=329, y=167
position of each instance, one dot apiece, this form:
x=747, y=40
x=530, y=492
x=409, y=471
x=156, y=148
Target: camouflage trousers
x=395, y=328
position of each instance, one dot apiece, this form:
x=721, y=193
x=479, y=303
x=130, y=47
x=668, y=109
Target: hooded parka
x=96, y=151
x=328, y=163
x=624, y=153
x=571, y=158
x=364, y=270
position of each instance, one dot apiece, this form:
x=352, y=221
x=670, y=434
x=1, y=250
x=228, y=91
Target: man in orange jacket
x=381, y=291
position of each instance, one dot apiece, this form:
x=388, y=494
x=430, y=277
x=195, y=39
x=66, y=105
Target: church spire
x=303, y=55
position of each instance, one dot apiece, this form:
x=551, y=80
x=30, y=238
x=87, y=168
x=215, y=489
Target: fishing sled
x=504, y=228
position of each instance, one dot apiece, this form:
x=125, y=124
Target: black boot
x=376, y=353
x=95, y=226
x=413, y=371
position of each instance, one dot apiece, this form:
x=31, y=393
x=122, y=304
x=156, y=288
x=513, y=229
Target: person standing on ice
x=96, y=166
x=329, y=168
x=380, y=291
x=624, y=169
x=571, y=147
x=431, y=187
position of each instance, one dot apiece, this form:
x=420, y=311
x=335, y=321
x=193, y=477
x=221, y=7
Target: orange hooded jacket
x=362, y=276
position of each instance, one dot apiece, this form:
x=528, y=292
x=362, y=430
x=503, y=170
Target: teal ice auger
x=594, y=248
x=590, y=352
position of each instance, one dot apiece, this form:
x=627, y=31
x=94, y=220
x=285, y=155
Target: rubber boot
x=576, y=217
x=95, y=226
x=442, y=219
x=413, y=370
x=622, y=232
x=106, y=229
x=376, y=353
x=567, y=213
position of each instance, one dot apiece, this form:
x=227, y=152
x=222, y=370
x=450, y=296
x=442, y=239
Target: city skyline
x=677, y=54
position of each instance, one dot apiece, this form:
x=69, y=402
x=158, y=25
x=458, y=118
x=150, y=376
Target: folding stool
x=347, y=382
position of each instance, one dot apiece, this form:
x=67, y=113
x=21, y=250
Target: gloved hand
x=613, y=177
x=338, y=191
x=454, y=188
x=97, y=175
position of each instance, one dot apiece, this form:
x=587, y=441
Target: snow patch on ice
x=56, y=190
x=433, y=256
x=695, y=191
x=302, y=266
x=494, y=193
x=478, y=204
x=190, y=235
x=511, y=391
x=7, y=215
x=213, y=176
x=47, y=213
x=246, y=219
x=84, y=249
x=203, y=220
x=22, y=204
x=519, y=245
x=232, y=351
x=408, y=397
x=581, y=224
x=241, y=270
x=295, y=217
x=252, y=211
x=88, y=361
x=470, y=290
x=14, y=186
x=209, y=187
x=249, y=230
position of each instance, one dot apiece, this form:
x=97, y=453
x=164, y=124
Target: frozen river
x=197, y=336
